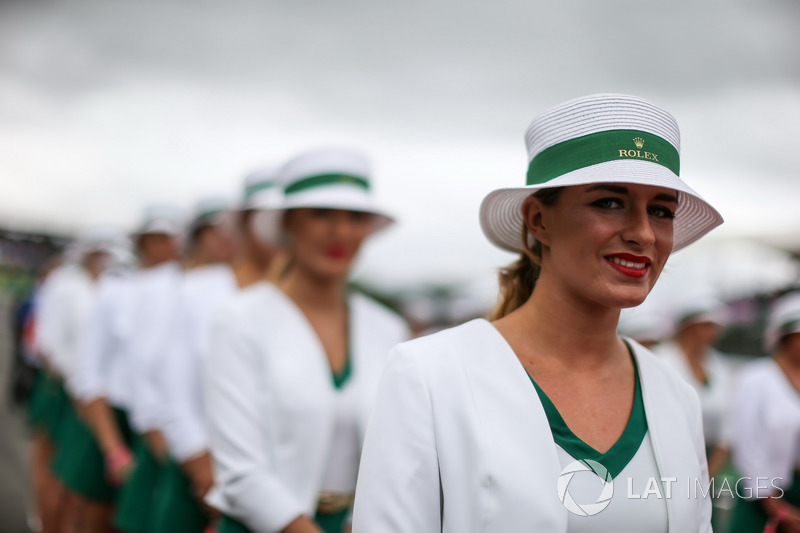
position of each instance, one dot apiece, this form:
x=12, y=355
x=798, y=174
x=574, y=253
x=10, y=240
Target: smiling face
x=604, y=243
x=325, y=242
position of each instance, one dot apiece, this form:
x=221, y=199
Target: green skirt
x=328, y=522
x=176, y=510
x=80, y=463
x=749, y=516
x=137, y=496
x=48, y=402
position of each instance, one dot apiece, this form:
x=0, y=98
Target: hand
x=201, y=473
x=302, y=524
x=119, y=465
x=157, y=443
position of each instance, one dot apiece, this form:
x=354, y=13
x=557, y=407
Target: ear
x=534, y=218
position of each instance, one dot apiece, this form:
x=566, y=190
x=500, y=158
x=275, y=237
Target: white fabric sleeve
x=91, y=378
x=237, y=418
x=398, y=488
x=700, y=450
x=184, y=419
x=147, y=380
x=764, y=440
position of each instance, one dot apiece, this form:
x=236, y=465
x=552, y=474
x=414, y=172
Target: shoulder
x=378, y=316
x=759, y=373
x=437, y=352
x=661, y=378
x=248, y=306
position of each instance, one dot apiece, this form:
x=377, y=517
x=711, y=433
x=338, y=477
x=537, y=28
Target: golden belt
x=333, y=502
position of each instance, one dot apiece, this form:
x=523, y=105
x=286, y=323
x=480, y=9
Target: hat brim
x=268, y=223
x=501, y=210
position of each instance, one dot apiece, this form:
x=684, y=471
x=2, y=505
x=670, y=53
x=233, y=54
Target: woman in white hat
x=153, y=298
x=259, y=256
x=765, y=440
x=208, y=280
x=699, y=322
x=530, y=422
x=213, y=280
x=292, y=367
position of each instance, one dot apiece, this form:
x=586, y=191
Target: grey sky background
x=106, y=106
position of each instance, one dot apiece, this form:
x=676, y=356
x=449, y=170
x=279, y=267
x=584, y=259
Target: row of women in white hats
x=500, y=425
x=143, y=456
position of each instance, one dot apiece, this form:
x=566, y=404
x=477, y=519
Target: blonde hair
x=518, y=279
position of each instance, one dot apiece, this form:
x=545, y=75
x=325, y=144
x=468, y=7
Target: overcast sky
x=106, y=106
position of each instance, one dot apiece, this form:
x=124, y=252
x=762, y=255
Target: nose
x=638, y=229
x=342, y=224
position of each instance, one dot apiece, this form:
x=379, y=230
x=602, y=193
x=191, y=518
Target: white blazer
x=766, y=429
x=269, y=401
x=459, y=442
x=203, y=290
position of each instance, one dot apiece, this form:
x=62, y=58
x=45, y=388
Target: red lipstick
x=634, y=266
x=337, y=252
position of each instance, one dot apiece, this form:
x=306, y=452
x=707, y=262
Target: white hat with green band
x=262, y=189
x=602, y=138
x=784, y=319
x=332, y=179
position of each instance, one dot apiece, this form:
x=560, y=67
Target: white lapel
x=523, y=467
x=673, y=445
x=298, y=368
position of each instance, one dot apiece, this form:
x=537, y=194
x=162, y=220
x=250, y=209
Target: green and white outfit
x=460, y=441
x=153, y=303
x=203, y=290
x=282, y=431
x=765, y=442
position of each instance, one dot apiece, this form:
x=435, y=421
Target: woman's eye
x=321, y=213
x=608, y=203
x=661, y=212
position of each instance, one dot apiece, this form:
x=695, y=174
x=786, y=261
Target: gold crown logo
x=638, y=141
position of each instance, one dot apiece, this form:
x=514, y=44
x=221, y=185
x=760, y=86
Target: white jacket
x=203, y=291
x=269, y=392
x=459, y=442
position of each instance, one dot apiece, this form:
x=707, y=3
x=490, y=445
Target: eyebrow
x=618, y=189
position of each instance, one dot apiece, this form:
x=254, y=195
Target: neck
x=147, y=263
x=788, y=361
x=694, y=351
x=309, y=290
x=554, y=323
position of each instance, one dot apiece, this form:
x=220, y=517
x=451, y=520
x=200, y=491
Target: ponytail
x=518, y=280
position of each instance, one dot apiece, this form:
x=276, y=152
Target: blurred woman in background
x=766, y=429
x=292, y=367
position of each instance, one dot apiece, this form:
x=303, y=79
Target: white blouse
x=715, y=396
x=272, y=405
x=102, y=369
x=154, y=293
x=203, y=290
x=766, y=428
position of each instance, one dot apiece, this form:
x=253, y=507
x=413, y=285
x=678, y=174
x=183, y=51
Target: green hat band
x=326, y=179
x=601, y=147
x=250, y=190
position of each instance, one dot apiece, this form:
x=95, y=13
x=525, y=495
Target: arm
x=184, y=419
x=237, y=423
x=398, y=488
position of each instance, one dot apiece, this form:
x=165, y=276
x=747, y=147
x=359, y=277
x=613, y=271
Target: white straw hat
x=329, y=178
x=262, y=189
x=210, y=211
x=784, y=319
x=160, y=219
x=602, y=138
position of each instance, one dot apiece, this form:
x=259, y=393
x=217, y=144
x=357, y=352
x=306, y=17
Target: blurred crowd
x=141, y=390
